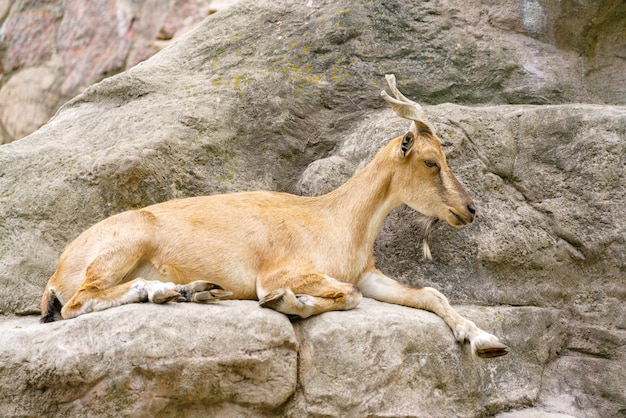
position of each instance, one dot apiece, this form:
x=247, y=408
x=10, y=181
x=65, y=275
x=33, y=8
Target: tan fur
x=299, y=255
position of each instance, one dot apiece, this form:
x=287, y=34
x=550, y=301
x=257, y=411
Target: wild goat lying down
x=298, y=255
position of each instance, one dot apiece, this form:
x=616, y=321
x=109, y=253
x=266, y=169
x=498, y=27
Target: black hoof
x=492, y=351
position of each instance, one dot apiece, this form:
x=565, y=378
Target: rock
x=29, y=37
x=585, y=386
x=236, y=358
x=94, y=38
x=512, y=52
x=532, y=413
x=5, y=5
x=388, y=360
x=32, y=97
x=79, y=43
x=149, y=360
x=325, y=175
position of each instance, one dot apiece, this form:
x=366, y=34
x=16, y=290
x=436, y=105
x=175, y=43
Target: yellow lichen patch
x=238, y=80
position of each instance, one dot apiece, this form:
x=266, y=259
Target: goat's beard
x=428, y=224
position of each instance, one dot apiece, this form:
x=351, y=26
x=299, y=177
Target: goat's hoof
x=209, y=295
x=273, y=299
x=201, y=291
x=167, y=296
x=492, y=349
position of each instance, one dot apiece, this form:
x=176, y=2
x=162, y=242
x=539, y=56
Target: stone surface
x=324, y=175
x=29, y=37
x=586, y=386
x=94, y=39
x=148, y=361
x=532, y=413
x=79, y=43
x=386, y=360
x=515, y=51
x=237, y=359
x=285, y=96
x=33, y=99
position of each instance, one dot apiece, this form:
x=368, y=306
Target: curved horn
x=406, y=108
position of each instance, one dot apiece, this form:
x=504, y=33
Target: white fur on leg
x=136, y=293
x=156, y=289
x=465, y=330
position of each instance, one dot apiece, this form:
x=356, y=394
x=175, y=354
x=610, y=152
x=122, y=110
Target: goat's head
x=422, y=176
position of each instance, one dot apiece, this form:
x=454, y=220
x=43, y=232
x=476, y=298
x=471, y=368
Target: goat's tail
x=50, y=306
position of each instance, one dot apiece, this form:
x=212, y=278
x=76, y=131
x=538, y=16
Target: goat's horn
x=391, y=80
x=406, y=108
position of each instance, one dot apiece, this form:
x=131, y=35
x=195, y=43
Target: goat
x=298, y=255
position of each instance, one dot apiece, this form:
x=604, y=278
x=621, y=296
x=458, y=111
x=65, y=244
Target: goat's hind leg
x=140, y=290
x=305, y=294
x=101, y=289
x=90, y=298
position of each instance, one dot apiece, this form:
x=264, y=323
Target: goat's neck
x=361, y=205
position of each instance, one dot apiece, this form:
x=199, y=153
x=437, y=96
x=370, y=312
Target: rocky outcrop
x=238, y=359
x=528, y=52
x=52, y=50
x=285, y=96
x=144, y=361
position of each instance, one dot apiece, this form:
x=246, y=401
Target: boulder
x=149, y=360
x=387, y=360
x=237, y=359
x=285, y=96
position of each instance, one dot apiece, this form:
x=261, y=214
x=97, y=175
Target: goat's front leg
x=305, y=293
x=201, y=291
x=376, y=285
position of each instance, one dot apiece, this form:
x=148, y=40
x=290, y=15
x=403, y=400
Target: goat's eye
x=431, y=164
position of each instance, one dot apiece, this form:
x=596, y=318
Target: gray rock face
x=237, y=359
x=285, y=96
x=52, y=50
x=148, y=360
x=386, y=360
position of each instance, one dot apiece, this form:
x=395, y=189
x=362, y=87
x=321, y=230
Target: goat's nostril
x=471, y=209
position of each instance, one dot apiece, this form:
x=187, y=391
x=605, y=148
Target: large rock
x=237, y=359
x=27, y=99
x=259, y=92
x=386, y=360
x=149, y=360
x=514, y=51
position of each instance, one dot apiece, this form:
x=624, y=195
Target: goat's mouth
x=460, y=221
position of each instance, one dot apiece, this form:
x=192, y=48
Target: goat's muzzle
x=464, y=218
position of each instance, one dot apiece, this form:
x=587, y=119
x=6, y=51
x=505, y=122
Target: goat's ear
x=407, y=143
